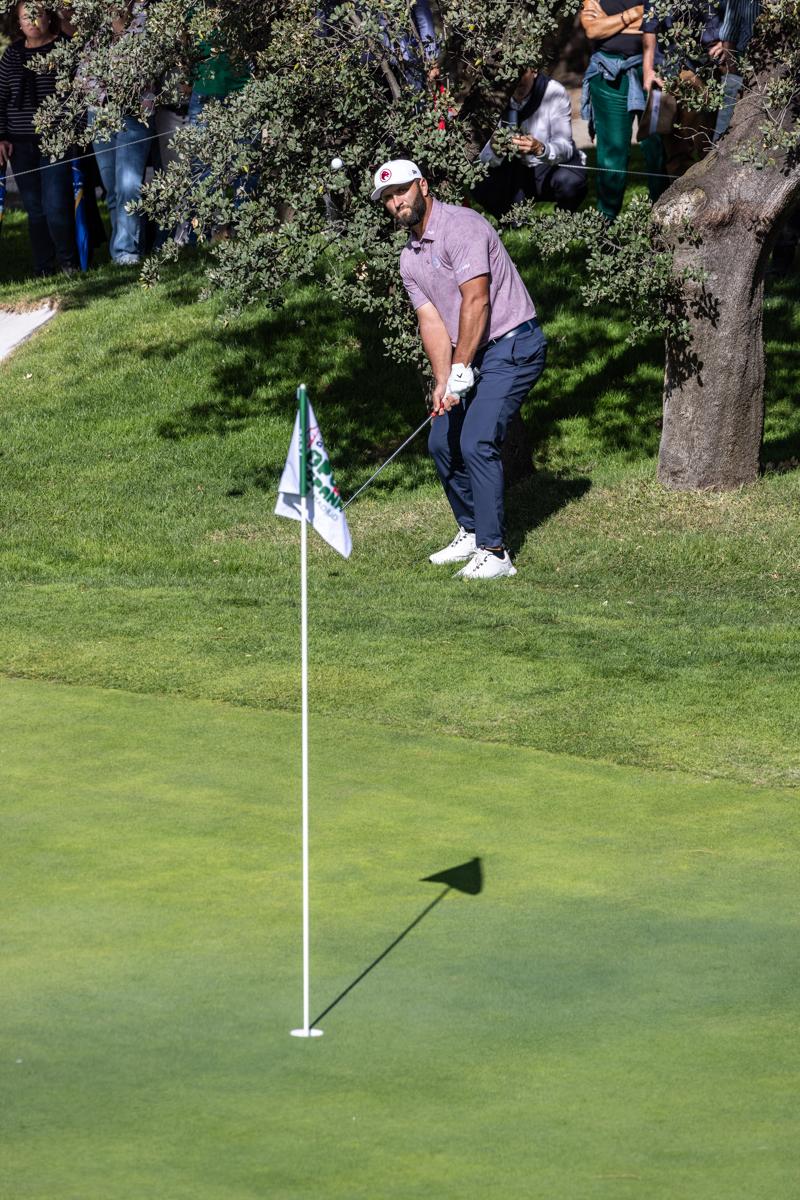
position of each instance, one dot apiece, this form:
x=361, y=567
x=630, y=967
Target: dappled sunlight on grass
x=141, y=441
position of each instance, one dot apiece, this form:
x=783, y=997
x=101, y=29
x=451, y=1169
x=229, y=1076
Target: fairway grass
x=614, y=1017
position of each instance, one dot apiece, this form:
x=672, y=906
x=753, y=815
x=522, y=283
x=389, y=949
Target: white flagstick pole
x=302, y=398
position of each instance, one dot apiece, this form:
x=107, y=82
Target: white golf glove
x=461, y=381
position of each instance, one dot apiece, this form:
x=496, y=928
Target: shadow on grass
x=615, y=386
x=366, y=403
x=782, y=418
x=467, y=877
x=104, y=280
x=533, y=501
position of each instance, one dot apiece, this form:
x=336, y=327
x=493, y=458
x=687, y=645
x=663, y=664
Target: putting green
x=614, y=1016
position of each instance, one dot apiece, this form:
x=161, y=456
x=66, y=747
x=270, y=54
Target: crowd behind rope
x=533, y=156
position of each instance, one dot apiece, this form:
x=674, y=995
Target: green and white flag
x=324, y=503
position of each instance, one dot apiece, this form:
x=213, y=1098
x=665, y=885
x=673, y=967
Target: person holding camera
x=539, y=160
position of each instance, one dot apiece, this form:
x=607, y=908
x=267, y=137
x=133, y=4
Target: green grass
x=613, y=1017
x=140, y=446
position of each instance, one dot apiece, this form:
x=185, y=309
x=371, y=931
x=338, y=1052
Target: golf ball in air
x=336, y=164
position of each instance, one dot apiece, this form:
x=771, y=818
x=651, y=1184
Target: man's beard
x=414, y=216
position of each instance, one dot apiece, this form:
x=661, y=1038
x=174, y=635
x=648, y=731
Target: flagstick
x=302, y=398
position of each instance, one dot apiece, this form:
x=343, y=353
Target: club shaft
x=391, y=457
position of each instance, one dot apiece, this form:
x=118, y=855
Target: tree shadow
x=104, y=280
x=781, y=445
x=616, y=387
x=369, y=403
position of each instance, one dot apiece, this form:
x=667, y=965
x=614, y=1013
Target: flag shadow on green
x=467, y=877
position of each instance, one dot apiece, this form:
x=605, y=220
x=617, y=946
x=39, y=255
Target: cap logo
x=385, y=174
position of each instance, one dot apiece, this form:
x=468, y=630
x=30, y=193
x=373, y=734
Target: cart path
x=17, y=327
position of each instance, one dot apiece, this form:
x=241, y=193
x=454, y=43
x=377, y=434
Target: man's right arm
x=439, y=349
x=650, y=30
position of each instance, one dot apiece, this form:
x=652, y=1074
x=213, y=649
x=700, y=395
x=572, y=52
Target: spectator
x=122, y=160
x=44, y=187
x=420, y=53
x=89, y=228
x=689, y=138
x=735, y=32
x=168, y=119
x=65, y=23
x=418, y=50
x=215, y=78
x=547, y=165
x=612, y=93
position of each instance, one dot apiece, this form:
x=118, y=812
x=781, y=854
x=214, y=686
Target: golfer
x=479, y=329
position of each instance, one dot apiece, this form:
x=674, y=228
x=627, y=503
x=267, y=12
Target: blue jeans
x=465, y=443
x=122, y=161
x=243, y=185
x=732, y=85
x=46, y=192
x=197, y=102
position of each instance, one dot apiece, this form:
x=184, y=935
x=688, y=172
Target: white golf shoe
x=485, y=565
x=461, y=548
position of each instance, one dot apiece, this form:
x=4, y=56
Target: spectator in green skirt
x=612, y=95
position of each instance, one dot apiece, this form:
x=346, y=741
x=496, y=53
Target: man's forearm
x=436, y=345
x=471, y=327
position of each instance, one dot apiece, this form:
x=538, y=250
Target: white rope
x=152, y=136
x=60, y=162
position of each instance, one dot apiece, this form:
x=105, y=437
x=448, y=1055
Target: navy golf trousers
x=465, y=443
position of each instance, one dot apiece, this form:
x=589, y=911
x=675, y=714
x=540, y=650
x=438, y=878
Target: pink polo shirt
x=458, y=244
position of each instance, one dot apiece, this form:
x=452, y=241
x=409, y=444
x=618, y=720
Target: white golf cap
x=398, y=170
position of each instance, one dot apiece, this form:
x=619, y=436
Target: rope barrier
x=61, y=161
x=152, y=136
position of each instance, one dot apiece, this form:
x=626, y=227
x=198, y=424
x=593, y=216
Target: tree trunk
x=714, y=385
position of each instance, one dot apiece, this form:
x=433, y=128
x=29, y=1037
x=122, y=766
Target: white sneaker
x=461, y=548
x=485, y=565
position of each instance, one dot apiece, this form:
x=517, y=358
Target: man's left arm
x=472, y=319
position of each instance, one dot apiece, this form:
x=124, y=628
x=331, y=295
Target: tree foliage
x=327, y=81
x=353, y=82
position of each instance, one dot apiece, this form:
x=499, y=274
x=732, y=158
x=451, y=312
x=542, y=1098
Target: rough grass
x=141, y=445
